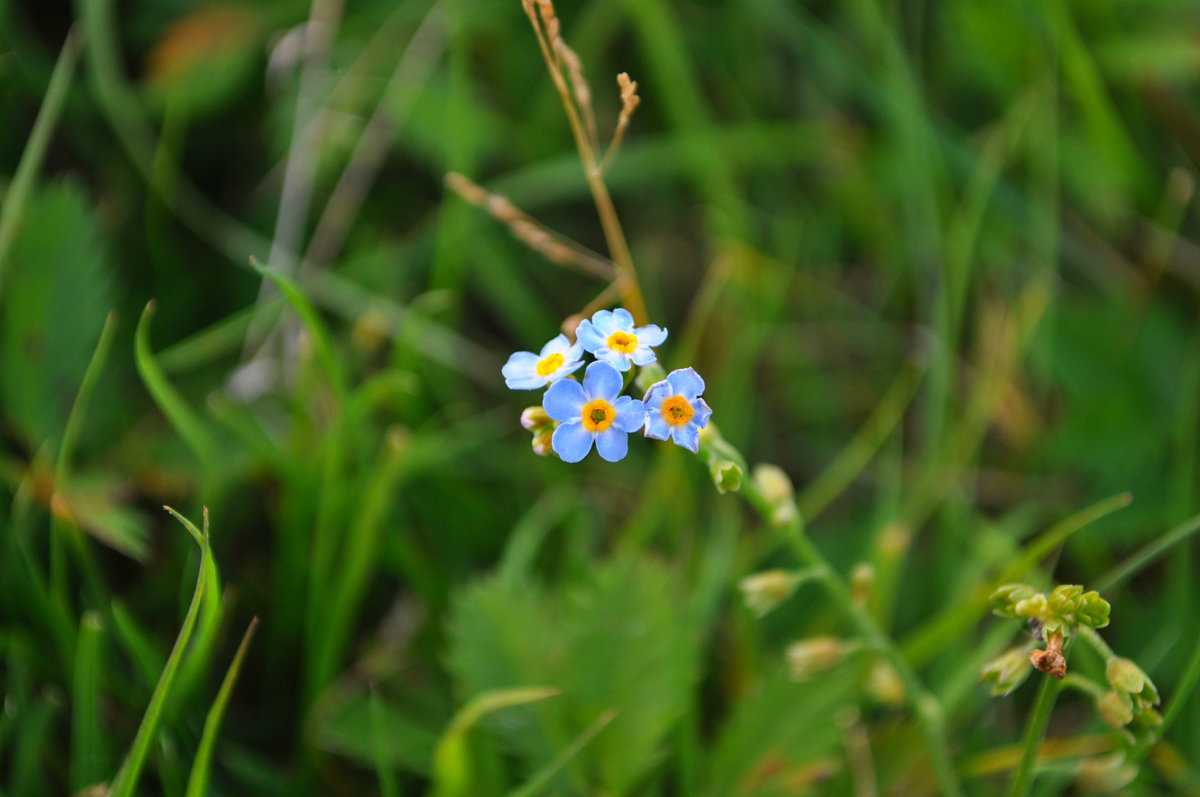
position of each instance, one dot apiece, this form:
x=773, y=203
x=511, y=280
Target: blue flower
x=675, y=411
x=528, y=371
x=611, y=337
x=592, y=413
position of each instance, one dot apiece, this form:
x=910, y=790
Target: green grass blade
x=198, y=779
x=452, y=770
x=326, y=354
x=62, y=530
x=389, y=786
x=89, y=748
x=35, y=148
x=126, y=782
x=541, y=779
x=1147, y=555
x=186, y=422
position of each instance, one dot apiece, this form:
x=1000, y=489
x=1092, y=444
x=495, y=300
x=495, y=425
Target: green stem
x=1035, y=731
x=928, y=709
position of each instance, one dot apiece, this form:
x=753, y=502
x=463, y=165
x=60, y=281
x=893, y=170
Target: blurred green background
x=933, y=259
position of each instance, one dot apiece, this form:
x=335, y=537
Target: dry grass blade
x=556, y=248
x=629, y=103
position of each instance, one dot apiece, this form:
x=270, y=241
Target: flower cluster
x=575, y=417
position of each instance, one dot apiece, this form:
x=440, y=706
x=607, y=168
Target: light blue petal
x=571, y=441
x=657, y=426
x=703, y=413
x=612, y=445
x=644, y=355
x=686, y=382
x=656, y=395
x=614, y=358
x=575, y=352
x=564, y=401
x=521, y=363
x=589, y=336
x=623, y=319
x=651, y=335
x=688, y=437
x=604, y=323
x=631, y=414
x=601, y=381
x=526, y=382
x=557, y=345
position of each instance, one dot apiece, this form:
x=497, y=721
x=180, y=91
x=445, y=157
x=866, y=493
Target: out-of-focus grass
x=934, y=259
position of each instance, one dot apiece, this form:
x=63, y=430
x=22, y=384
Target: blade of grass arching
x=198, y=779
x=530, y=531
x=186, y=423
x=323, y=345
x=935, y=635
x=358, y=552
x=89, y=762
x=18, y=193
x=195, y=663
x=62, y=530
x=838, y=475
x=452, y=775
x=389, y=784
x=126, y=781
x=539, y=782
x=222, y=338
x=1147, y=555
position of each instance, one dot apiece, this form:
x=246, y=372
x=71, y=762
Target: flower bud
x=862, y=582
x=541, y=442
x=1124, y=675
x=810, y=657
x=1147, y=717
x=1004, y=600
x=533, y=418
x=1093, y=610
x=1115, y=708
x=726, y=475
x=777, y=489
x=1033, y=606
x=1105, y=774
x=885, y=685
x=764, y=591
x=1064, y=599
x=1007, y=671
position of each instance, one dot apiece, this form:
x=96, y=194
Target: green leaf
x=777, y=729
x=56, y=297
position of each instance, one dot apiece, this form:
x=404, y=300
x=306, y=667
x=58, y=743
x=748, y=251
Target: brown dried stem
x=629, y=103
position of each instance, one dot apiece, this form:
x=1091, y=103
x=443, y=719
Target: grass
x=935, y=261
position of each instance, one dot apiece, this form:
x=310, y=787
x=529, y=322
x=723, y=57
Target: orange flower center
x=677, y=411
x=622, y=342
x=598, y=415
x=549, y=365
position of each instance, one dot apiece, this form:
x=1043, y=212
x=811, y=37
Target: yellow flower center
x=622, y=342
x=598, y=415
x=549, y=365
x=677, y=411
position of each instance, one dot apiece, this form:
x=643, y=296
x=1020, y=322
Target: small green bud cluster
x=1133, y=695
x=725, y=464
x=1062, y=611
x=764, y=591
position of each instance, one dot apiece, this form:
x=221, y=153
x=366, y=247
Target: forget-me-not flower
x=528, y=371
x=675, y=411
x=612, y=338
x=591, y=412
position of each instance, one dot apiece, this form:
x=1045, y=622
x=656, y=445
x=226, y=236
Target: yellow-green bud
x=1033, y=606
x=1008, y=670
x=541, y=442
x=1004, y=600
x=862, y=582
x=1124, y=675
x=1064, y=599
x=1147, y=717
x=1115, y=708
x=764, y=591
x=1105, y=774
x=812, y=656
x=777, y=489
x=726, y=475
x=885, y=685
x=1093, y=610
